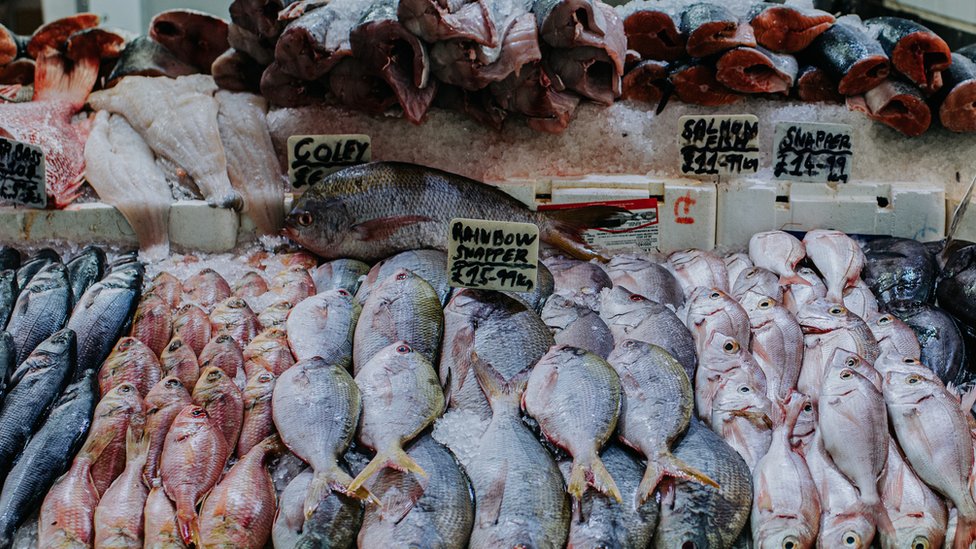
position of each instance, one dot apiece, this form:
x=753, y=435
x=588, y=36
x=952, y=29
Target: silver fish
x=345, y=274
x=838, y=258
x=917, y=513
x=723, y=359
x=710, y=311
x=735, y=264
x=323, y=325
x=647, y=278
x=757, y=281
x=575, y=324
x=777, y=344
x=430, y=265
x=742, y=415
x=699, y=269
x=40, y=310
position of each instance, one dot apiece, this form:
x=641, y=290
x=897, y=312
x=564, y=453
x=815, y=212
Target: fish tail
x=667, y=465
x=566, y=228
x=136, y=443
x=394, y=458
x=882, y=520
x=794, y=278
x=188, y=525
x=272, y=445
x=58, y=78
x=835, y=295
x=96, y=444
x=334, y=480
x=965, y=532
x=594, y=473
x=494, y=385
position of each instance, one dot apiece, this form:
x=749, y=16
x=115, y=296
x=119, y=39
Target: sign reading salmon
x=312, y=157
x=811, y=151
x=22, y=174
x=492, y=255
x=719, y=145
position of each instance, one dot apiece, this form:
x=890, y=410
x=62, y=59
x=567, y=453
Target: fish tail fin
x=137, y=443
x=334, y=480
x=566, y=225
x=965, y=532
x=95, y=445
x=58, y=78
x=494, y=385
x=591, y=471
x=882, y=520
x=667, y=465
x=394, y=458
x=794, y=278
x=835, y=296
x=188, y=525
x=272, y=446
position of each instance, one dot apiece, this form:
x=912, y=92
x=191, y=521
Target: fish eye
x=215, y=374
x=836, y=311
x=920, y=542
x=884, y=319
x=744, y=389
x=731, y=346
x=846, y=374
x=173, y=383
x=342, y=292
x=237, y=303
x=765, y=304
x=908, y=360
x=401, y=276
x=808, y=407
x=850, y=362
x=199, y=412
x=636, y=297
x=714, y=295
x=174, y=345
x=265, y=377
x=851, y=539
x=913, y=379
x=403, y=349
x=125, y=344
x=125, y=389
x=224, y=338
x=790, y=542
x=304, y=219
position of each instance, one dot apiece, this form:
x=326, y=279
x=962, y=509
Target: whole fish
x=102, y=313
x=854, y=428
x=8, y=294
x=206, y=288
x=735, y=264
x=699, y=269
x=258, y=422
x=193, y=457
x=167, y=287
x=163, y=402
x=656, y=406
x=130, y=361
x=235, y=318
x=268, y=351
x=519, y=495
x=41, y=309
x=323, y=325
x=178, y=360
x=942, y=346
x=113, y=414
x=797, y=295
x=600, y=521
x=776, y=344
x=917, y=513
x=119, y=516
x=921, y=409
x=345, y=274
x=216, y=393
x=844, y=522
x=316, y=407
x=701, y=515
x=723, y=358
x=47, y=455
x=779, y=252
x=742, y=415
x=437, y=513
x=421, y=201
x=757, y=281
x=401, y=397
x=275, y=314
x=192, y=325
x=711, y=311
x=861, y=301
x=826, y=328
x=430, y=265
x=35, y=387
x=806, y=427
x=85, y=269
x=894, y=336
x=786, y=509
x=647, y=278
x=293, y=284
x=631, y=316
x=250, y=284
x=222, y=352
x=572, y=277
x=335, y=522
x=240, y=510
x=569, y=378
x=838, y=258
x=403, y=307
x=474, y=322
x=153, y=322
x=576, y=324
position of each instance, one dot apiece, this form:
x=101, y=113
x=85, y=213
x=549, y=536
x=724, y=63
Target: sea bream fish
x=373, y=211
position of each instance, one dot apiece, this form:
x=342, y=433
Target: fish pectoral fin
x=490, y=508
x=384, y=227
x=398, y=506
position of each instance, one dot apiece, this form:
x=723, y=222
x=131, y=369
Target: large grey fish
x=576, y=398
x=334, y=524
x=8, y=294
x=316, y=406
x=475, y=321
x=575, y=324
x=519, y=496
x=47, y=455
x=698, y=515
x=102, y=313
x=372, y=211
x=656, y=407
x=337, y=274
x=402, y=307
x=401, y=397
x=599, y=521
x=323, y=325
x=430, y=265
x=647, y=278
x=631, y=316
x=42, y=308
x=436, y=513
x=85, y=269
x=28, y=269
x=36, y=385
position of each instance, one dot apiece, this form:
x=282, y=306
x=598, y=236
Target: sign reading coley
x=312, y=157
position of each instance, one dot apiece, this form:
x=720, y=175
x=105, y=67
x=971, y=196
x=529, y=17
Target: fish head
x=213, y=382
x=923, y=533
x=909, y=386
x=892, y=362
x=123, y=398
x=760, y=308
x=275, y=313
x=631, y=351
x=758, y=279
x=259, y=386
x=191, y=420
x=187, y=313
x=841, y=379
x=560, y=311
x=742, y=395
x=619, y=301
x=806, y=425
x=318, y=222
x=685, y=536
x=841, y=358
x=722, y=352
x=166, y=392
x=60, y=343
x=176, y=349
x=848, y=531
x=785, y=532
x=821, y=316
x=708, y=301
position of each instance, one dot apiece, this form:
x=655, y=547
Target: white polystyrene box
x=523, y=190
x=195, y=225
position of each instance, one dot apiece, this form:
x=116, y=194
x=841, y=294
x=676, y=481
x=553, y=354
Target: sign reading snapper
x=492, y=255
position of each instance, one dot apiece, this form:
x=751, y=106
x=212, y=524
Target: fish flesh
x=785, y=28
x=163, y=402
x=435, y=21
x=956, y=95
x=346, y=274
x=118, y=518
x=283, y=90
x=102, y=313
x=915, y=51
x=757, y=70
x=85, y=269
x=712, y=28
x=896, y=104
x=130, y=361
x=332, y=314
x=41, y=309
x=575, y=324
x=654, y=35
x=237, y=71
x=188, y=133
x=179, y=361
x=313, y=44
x=853, y=58
x=816, y=85
x=217, y=394
x=534, y=93
x=193, y=36
x=646, y=81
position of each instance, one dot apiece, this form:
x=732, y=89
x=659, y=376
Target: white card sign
x=812, y=152
x=719, y=145
x=22, y=174
x=492, y=255
x=312, y=157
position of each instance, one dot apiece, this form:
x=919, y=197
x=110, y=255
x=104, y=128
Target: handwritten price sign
x=812, y=152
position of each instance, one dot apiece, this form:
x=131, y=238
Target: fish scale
x=41, y=309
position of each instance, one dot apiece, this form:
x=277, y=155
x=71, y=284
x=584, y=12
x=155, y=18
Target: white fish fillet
x=121, y=168
x=178, y=119
x=252, y=164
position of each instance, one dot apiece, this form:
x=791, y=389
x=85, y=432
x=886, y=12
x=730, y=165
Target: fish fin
x=566, y=226
x=272, y=445
x=968, y=399
x=137, y=441
x=397, y=507
x=758, y=419
x=318, y=490
x=97, y=444
x=835, y=296
x=188, y=525
x=494, y=385
x=490, y=507
x=394, y=458
x=794, y=278
x=383, y=227
x=763, y=500
x=591, y=471
x=58, y=78
x=461, y=349
x=882, y=520
x=965, y=532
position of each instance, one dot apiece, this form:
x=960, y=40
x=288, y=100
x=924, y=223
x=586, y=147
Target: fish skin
x=85, y=269
x=430, y=265
x=113, y=414
x=917, y=512
x=827, y=328
x=163, y=402
x=7, y=356
x=427, y=200
x=955, y=111
x=41, y=309
x=838, y=258
x=711, y=311
x=338, y=274
x=575, y=324
x=779, y=252
x=240, y=510
x=723, y=358
x=403, y=307
x=519, y=496
x=894, y=336
x=631, y=316
x=118, y=518
x=861, y=301
x=102, y=313
x=250, y=284
x=194, y=455
x=844, y=522
x=401, y=397
x=152, y=323
x=192, y=325
x=896, y=104
x=35, y=387
x=8, y=295
x=698, y=268
x=275, y=314
x=851, y=56
x=268, y=351
x=575, y=396
x=334, y=524
x=776, y=344
x=796, y=296
x=293, y=284
x=10, y=258
x=216, y=393
x=712, y=28
x=47, y=455
x=757, y=70
x=179, y=360
x=160, y=520
x=757, y=281
x=144, y=56
x=333, y=314
x=786, y=507
x=193, y=36
x=33, y=265
x=702, y=514
x=474, y=322
x=541, y=291
x=222, y=352
x=130, y=361
x=436, y=514
x=915, y=51
x=955, y=285
x=734, y=265
x=742, y=416
x=258, y=421
x=647, y=278
x=316, y=407
x=581, y=280
x=939, y=336
x=169, y=288
x=235, y=318
x=206, y=289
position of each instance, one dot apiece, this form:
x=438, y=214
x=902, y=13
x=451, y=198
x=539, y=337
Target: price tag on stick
x=719, y=145
x=813, y=152
x=492, y=255
x=312, y=157
x=22, y=174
